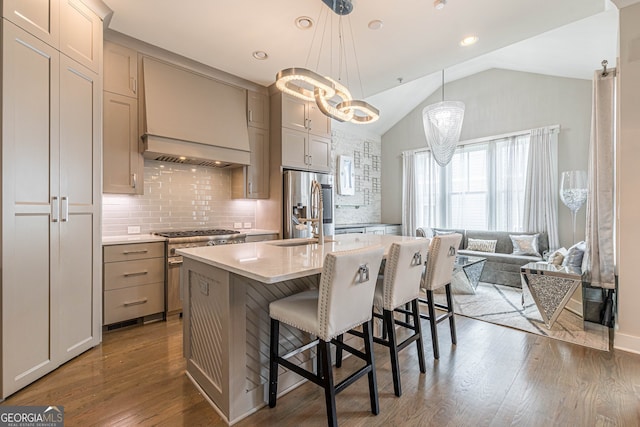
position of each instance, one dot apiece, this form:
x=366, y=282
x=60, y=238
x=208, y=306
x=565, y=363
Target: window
x=482, y=188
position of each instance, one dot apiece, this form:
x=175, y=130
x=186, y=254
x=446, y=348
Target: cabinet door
x=258, y=171
x=79, y=286
x=294, y=113
x=317, y=123
x=294, y=150
x=120, y=70
x=258, y=110
x=81, y=34
x=319, y=153
x=30, y=212
x=40, y=18
x=122, y=162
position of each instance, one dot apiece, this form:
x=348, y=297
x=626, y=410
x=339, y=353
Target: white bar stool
x=395, y=290
x=439, y=272
x=342, y=302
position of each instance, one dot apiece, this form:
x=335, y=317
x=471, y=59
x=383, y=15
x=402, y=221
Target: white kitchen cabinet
x=51, y=204
x=257, y=110
x=302, y=115
x=294, y=144
x=395, y=230
x=120, y=70
x=252, y=181
x=134, y=281
x=68, y=26
x=123, y=163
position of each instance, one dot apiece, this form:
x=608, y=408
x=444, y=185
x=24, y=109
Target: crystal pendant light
x=442, y=125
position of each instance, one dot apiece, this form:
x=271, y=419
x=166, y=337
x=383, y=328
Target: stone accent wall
x=365, y=205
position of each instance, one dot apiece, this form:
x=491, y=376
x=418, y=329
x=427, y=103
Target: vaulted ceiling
x=399, y=64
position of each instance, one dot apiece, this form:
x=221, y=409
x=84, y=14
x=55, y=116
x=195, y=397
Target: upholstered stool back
x=346, y=289
x=402, y=272
x=442, y=256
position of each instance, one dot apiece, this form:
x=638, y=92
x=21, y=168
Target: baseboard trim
x=626, y=342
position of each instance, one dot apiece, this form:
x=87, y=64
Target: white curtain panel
x=541, y=195
x=598, y=264
x=409, y=194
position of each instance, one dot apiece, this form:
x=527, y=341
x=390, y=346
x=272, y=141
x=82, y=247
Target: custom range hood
x=191, y=118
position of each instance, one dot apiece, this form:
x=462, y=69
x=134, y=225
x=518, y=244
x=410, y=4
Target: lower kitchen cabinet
x=134, y=281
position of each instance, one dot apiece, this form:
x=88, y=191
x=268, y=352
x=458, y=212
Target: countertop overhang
x=279, y=260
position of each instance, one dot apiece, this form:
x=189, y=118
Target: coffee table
x=551, y=287
x=466, y=274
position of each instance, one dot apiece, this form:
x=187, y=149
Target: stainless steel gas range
x=190, y=239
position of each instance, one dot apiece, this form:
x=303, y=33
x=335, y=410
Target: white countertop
x=131, y=238
x=269, y=262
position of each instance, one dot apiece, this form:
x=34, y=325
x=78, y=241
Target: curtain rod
x=552, y=129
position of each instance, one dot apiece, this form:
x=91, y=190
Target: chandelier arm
x=355, y=55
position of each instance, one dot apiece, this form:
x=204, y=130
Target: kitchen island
x=226, y=295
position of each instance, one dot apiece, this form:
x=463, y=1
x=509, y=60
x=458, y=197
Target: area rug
x=502, y=305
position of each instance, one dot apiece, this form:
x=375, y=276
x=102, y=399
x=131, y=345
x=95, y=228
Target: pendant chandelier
x=332, y=97
x=442, y=125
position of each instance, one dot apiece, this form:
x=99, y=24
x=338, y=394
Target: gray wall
x=500, y=101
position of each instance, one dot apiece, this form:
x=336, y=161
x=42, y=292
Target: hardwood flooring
x=495, y=376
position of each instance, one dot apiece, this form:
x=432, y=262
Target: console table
x=551, y=287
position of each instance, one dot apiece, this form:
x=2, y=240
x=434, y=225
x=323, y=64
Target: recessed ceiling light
x=439, y=4
x=182, y=158
x=468, y=41
x=304, y=22
x=260, y=55
x=376, y=24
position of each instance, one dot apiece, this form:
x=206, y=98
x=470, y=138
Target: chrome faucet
x=316, y=219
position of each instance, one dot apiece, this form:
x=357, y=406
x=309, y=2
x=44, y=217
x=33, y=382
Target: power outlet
x=133, y=229
x=247, y=225
x=237, y=225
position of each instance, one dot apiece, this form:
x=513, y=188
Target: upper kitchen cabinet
x=120, y=70
x=123, y=163
x=257, y=110
x=66, y=25
x=252, y=182
x=51, y=203
x=300, y=134
x=41, y=18
x=302, y=115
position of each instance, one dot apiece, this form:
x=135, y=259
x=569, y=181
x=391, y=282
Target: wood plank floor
x=495, y=376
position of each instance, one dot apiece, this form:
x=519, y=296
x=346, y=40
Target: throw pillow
x=442, y=232
x=556, y=257
x=482, y=245
x=525, y=244
x=574, y=255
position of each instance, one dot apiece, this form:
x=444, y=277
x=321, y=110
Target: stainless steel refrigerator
x=297, y=202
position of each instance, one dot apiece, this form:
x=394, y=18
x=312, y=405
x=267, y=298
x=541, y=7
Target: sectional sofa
x=502, y=266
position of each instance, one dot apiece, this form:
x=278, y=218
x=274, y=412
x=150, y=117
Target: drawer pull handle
x=138, y=302
x=137, y=273
x=143, y=251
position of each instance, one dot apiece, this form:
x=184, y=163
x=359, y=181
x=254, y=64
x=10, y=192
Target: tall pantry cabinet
x=51, y=197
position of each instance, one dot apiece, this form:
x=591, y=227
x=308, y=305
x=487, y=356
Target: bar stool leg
x=367, y=329
x=389, y=325
x=452, y=321
x=339, y=338
x=416, y=322
x=324, y=347
x=273, y=362
x=433, y=324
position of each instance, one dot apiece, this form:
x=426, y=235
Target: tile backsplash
x=177, y=196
